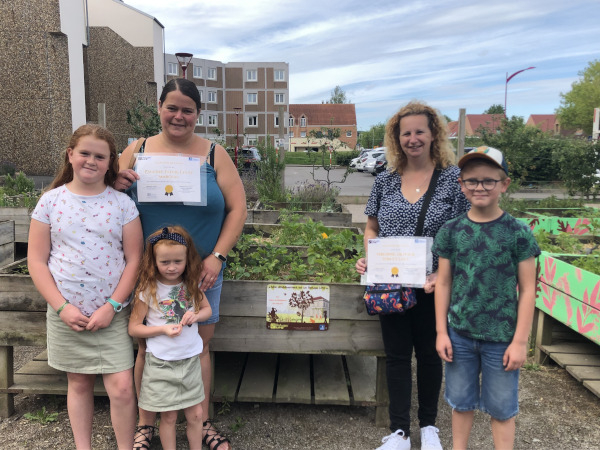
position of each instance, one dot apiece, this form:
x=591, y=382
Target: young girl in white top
x=83, y=255
x=168, y=298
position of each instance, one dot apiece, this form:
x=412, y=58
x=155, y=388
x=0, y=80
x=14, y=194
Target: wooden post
x=102, y=114
x=460, y=151
x=382, y=418
x=7, y=401
x=281, y=148
x=543, y=335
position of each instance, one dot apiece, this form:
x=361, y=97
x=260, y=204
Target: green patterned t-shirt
x=484, y=259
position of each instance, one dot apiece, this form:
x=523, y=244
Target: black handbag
x=382, y=298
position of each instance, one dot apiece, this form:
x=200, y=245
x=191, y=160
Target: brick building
x=305, y=118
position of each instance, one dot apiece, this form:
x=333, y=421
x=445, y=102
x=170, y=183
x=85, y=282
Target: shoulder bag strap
x=211, y=155
x=426, y=200
x=136, y=150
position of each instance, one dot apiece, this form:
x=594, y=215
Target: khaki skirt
x=171, y=385
x=108, y=350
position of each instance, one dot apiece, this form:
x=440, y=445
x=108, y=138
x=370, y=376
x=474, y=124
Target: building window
x=212, y=119
x=252, y=121
x=348, y=133
x=212, y=97
x=200, y=121
x=197, y=72
x=172, y=69
x=279, y=142
x=303, y=134
x=252, y=98
x=252, y=141
x=251, y=75
x=280, y=75
x=277, y=121
x=200, y=93
x=279, y=98
x=291, y=134
x=212, y=74
x=302, y=121
x=291, y=121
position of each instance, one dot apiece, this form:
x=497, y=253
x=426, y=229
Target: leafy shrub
x=305, y=196
x=344, y=158
x=269, y=174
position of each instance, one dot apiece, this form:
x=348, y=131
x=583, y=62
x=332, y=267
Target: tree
x=302, y=302
x=329, y=140
x=448, y=119
x=338, y=96
x=372, y=138
x=495, y=109
x=577, y=105
x=144, y=120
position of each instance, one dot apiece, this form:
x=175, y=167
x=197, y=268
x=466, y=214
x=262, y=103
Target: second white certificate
x=399, y=260
x=168, y=178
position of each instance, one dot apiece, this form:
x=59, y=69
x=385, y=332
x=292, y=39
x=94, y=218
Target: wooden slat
x=259, y=378
x=566, y=359
x=22, y=328
x=593, y=386
x=343, y=337
x=583, y=373
x=293, y=381
x=363, y=373
x=330, y=383
x=572, y=347
x=37, y=367
x=228, y=372
x=48, y=384
x=42, y=356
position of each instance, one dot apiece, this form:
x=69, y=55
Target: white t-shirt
x=173, y=302
x=86, y=236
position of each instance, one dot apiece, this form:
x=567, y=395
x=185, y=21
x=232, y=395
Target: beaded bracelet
x=59, y=310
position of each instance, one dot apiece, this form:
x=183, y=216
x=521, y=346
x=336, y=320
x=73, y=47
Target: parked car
x=248, y=157
x=362, y=153
x=380, y=165
x=367, y=164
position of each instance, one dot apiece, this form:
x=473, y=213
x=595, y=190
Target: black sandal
x=214, y=437
x=143, y=436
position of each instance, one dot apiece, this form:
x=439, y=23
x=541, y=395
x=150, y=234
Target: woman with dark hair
x=214, y=227
x=416, y=147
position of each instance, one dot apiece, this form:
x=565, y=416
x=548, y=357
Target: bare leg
x=168, y=436
x=503, y=432
x=462, y=422
x=80, y=405
x=119, y=388
x=145, y=417
x=193, y=416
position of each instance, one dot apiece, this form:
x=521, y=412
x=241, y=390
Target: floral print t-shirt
x=86, y=237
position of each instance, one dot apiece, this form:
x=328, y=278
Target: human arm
x=126, y=176
x=132, y=251
x=371, y=232
x=138, y=329
x=38, y=252
x=442, y=303
x=516, y=353
x=203, y=314
x=232, y=188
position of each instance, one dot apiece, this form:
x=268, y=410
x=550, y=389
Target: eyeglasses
x=488, y=184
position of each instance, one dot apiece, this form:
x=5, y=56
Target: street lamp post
x=506, y=85
x=237, y=133
x=183, y=59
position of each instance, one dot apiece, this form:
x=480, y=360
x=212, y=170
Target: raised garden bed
x=272, y=214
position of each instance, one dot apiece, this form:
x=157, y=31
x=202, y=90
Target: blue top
x=204, y=223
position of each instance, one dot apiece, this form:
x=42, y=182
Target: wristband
x=59, y=310
x=219, y=256
x=116, y=305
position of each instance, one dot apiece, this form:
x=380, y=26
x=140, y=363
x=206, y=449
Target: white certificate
x=168, y=178
x=399, y=260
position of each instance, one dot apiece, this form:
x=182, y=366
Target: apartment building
x=304, y=118
x=257, y=91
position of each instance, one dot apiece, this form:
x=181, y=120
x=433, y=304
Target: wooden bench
x=343, y=365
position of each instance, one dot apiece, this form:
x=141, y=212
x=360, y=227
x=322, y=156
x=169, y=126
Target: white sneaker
x=430, y=439
x=395, y=441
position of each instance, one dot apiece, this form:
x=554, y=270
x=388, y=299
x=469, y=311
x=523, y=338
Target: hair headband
x=169, y=236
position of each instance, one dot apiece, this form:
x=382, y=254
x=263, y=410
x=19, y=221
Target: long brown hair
x=148, y=272
x=441, y=152
x=65, y=173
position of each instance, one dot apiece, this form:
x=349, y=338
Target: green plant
x=42, y=416
x=269, y=173
x=307, y=196
x=224, y=408
x=237, y=425
x=144, y=119
x=20, y=184
x=533, y=367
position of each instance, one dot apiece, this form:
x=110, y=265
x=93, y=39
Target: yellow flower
x=324, y=235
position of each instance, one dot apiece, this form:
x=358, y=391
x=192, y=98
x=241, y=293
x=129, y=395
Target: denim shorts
x=213, y=295
x=498, y=392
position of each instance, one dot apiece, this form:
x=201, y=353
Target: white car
x=368, y=165
x=362, y=158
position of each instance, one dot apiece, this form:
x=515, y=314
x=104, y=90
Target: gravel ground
x=557, y=412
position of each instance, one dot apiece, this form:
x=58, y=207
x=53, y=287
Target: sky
x=451, y=54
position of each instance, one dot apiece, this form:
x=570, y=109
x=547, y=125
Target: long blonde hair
x=441, y=152
x=148, y=272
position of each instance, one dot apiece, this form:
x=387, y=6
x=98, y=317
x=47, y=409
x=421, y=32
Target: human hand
x=172, y=330
x=443, y=345
x=125, y=178
x=101, y=318
x=514, y=356
x=189, y=318
x=73, y=318
x=429, y=286
x=211, y=267
x=361, y=266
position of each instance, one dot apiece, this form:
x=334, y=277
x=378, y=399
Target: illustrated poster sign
x=297, y=307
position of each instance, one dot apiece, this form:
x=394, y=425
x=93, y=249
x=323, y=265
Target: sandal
x=213, y=436
x=143, y=436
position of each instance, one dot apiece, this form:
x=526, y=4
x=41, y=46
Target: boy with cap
x=482, y=323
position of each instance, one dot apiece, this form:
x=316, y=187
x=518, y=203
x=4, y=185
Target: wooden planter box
x=7, y=242
x=21, y=218
x=556, y=220
x=260, y=215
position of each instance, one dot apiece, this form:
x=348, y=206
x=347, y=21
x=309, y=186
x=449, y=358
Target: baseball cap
x=490, y=153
